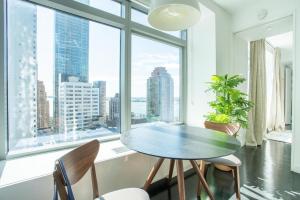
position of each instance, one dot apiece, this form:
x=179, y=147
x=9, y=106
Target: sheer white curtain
x=257, y=94
x=276, y=115
x=270, y=51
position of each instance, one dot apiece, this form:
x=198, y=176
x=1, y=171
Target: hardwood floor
x=265, y=174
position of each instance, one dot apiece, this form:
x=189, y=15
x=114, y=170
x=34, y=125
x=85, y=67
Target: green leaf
x=231, y=105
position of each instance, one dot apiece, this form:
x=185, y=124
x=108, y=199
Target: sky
x=104, y=53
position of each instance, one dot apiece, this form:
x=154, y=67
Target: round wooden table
x=179, y=143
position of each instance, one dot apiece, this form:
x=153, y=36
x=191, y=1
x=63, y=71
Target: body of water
x=139, y=107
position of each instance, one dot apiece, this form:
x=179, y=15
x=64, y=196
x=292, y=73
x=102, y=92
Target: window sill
x=55, y=147
x=27, y=168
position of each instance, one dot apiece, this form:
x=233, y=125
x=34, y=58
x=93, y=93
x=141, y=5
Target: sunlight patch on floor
x=252, y=192
x=285, y=136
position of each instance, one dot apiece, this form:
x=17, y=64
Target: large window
x=63, y=82
x=68, y=75
x=154, y=81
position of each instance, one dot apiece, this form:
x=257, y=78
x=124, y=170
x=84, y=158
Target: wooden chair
x=231, y=161
x=77, y=163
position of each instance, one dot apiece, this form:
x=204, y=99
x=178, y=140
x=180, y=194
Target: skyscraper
x=22, y=27
x=101, y=85
x=42, y=106
x=160, y=95
x=71, y=51
x=114, y=111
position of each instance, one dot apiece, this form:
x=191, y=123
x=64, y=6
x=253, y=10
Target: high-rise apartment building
x=101, y=85
x=160, y=95
x=114, y=111
x=71, y=51
x=42, y=106
x=78, y=105
x=22, y=28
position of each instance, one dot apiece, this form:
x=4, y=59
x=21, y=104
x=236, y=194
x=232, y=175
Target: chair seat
x=126, y=194
x=230, y=160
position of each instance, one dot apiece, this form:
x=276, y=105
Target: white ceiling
x=277, y=27
x=232, y=6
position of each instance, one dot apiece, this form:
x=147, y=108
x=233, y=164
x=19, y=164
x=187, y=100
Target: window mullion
x=183, y=85
x=3, y=111
x=125, y=79
x=82, y=10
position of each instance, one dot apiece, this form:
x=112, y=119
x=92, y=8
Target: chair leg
x=237, y=182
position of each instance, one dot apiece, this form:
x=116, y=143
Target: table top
x=180, y=142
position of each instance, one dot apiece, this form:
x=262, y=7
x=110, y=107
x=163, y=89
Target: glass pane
x=110, y=6
x=63, y=84
x=155, y=81
x=141, y=18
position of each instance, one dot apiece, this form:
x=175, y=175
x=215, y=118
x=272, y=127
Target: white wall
x=247, y=18
x=210, y=48
x=296, y=94
x=286, y=55
x=223, y=37
x=201, y=66
x=240, y=66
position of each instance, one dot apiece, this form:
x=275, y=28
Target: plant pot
x=230, y=129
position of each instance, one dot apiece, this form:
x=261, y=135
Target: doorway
x=278, y=37
x=279, y=70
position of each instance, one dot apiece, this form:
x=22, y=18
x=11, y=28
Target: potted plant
x=230, y=107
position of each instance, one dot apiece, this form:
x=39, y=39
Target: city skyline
x=101, y=37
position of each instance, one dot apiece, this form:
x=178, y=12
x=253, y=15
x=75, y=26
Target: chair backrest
x=76, y=164
x=230, y=129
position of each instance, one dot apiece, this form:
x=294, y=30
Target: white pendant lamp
x=173, y=15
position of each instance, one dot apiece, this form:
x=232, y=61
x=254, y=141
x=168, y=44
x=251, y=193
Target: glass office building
x=71, y=52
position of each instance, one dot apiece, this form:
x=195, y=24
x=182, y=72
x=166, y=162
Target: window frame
x=127, y=28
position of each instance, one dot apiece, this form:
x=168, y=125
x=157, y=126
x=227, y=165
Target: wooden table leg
x=199, y=182
x=180, y=179
x=203, y=170
x=202, y=179
x=153, y=172
x=172, y=162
